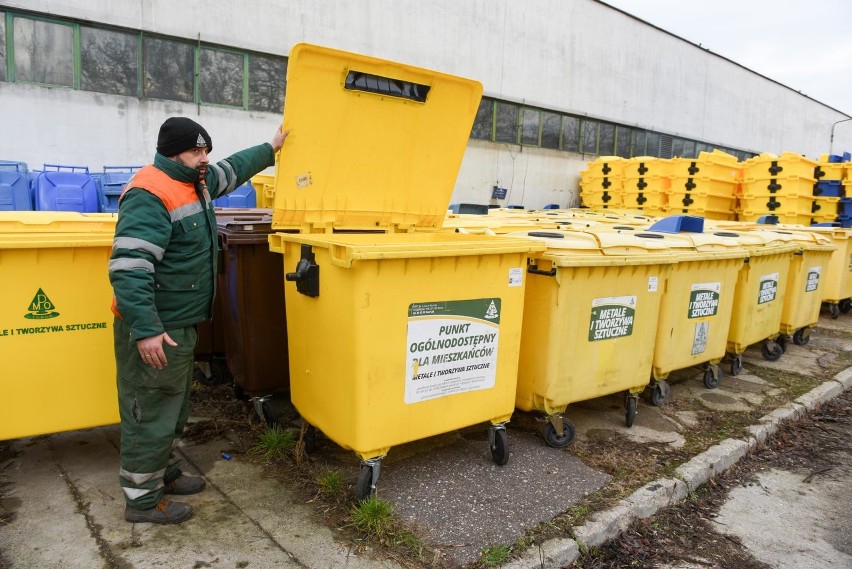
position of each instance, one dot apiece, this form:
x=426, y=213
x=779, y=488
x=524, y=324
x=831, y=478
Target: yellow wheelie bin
x=838, y=275
x=56, y=339
x=397, y=330
x=590, y=320
x=697, y=302
x=759, y=294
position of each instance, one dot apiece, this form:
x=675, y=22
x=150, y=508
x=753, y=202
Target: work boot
x=185, y=484
x=166, y=512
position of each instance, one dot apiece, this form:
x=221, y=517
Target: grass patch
x=372, y=517
x=494, y=556
x=330, y=484
x=274, y=443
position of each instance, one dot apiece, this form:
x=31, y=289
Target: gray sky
x=804, y=45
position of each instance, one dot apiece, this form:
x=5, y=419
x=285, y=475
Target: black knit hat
x=179, y=134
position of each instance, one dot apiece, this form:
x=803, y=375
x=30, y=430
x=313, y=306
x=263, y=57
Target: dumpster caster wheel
x=554, y=439
x=783, y=341
x=833, y=311
x=660, y=393
x=267, y=414
x=631, y=403
x=712, y=377
x=802, y=336
x=736, y=364
x=365, y=487
x=240, y=393
x=771, y=351
x=311, y=444
x=845, y=305
x=499, y=442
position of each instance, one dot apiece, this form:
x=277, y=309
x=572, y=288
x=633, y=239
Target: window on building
x=689, y=149
x=109, y=61
x=639, y=139
x=267, y=83
x=590, y=136
x=221, y=77
x=169, y=69
x=483, y=123
x=652, y=144
x=623, y=140
x=551, y=124
x=677, y=148
x=665, y=146
x=44, y=51
x=2, y=46
x=530, y=119
x=606, y=139
x=507, y=122
x=570, y=134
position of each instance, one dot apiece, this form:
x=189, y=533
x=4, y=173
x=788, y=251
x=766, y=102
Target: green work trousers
x=154, y=406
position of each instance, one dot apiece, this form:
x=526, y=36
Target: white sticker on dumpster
x=699, y=341
x=612, y=317
x=813, y=279
x=768, y=288
x=704, y=300
x=451, y=347
x=516, y=276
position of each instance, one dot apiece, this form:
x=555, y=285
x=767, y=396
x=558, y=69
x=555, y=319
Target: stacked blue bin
x=66, y=188
x=110, y=184
x=14, y=187
x=243, y=196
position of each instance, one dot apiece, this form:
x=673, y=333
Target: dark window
x=665, y=146
x=639, y=143
x=2, y=46
x=571, y=134
x=108, y=61
x=606, y=142
x=689, y=149
x=267, y=83
x=44, y=52
x=529, y=127
x=507, y=122
x=590, y=136
x=169, y=69
x=700, y=147
x=623, y=140
x=484, y=120
x=550, y=126
x=677, y=147
x=221, y=77
x=652, y=144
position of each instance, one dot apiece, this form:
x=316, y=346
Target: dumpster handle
x=535, y=270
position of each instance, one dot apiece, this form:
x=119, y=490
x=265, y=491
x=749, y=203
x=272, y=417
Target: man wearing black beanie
x=163, y=273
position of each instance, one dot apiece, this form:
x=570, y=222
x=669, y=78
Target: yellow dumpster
x=590, y=319
x=697, y=304
x=838, y=275
x=759, y=294
x=55, y=323
x=397, y=330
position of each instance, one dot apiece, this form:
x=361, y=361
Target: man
x=163, y=273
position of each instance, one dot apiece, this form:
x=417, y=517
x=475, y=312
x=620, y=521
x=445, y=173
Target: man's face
x=195, y=158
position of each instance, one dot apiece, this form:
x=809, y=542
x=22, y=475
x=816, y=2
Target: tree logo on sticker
x=41, y=307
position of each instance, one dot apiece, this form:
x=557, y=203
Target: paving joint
x=609, y=524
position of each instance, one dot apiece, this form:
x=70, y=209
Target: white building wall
x=578, y=56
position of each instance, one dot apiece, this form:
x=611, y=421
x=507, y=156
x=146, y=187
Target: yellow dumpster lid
x=344, y=248
x=49, y=229
x=373, y=144
x=586, y=248
x=760, y=242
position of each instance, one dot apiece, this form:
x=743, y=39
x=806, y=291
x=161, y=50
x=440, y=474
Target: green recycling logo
x=41, y=307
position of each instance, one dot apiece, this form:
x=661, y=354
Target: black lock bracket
x=306, y=274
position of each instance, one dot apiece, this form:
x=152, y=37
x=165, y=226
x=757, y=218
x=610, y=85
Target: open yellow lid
x=373, y=144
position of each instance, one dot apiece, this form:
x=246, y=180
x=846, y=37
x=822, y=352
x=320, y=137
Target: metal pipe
x=831, y=141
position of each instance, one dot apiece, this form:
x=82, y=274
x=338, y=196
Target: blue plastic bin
x=110, y=185
x=14, y=187
x=66, y=188
x=242, y=196
x=829, y=188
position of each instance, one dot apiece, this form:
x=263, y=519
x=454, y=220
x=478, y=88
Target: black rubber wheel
x=311, y=444
x=631, y=403
x=771, y=351
x=845, y=305
x=833, y=311
x=268, y=415
x=712, y=377
x=660, y=394
x=364, y=486
x=500, y=447
x=736, y=364
x=553, y=439
x=802, y=336
x=783, y=340
x=240, y=393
